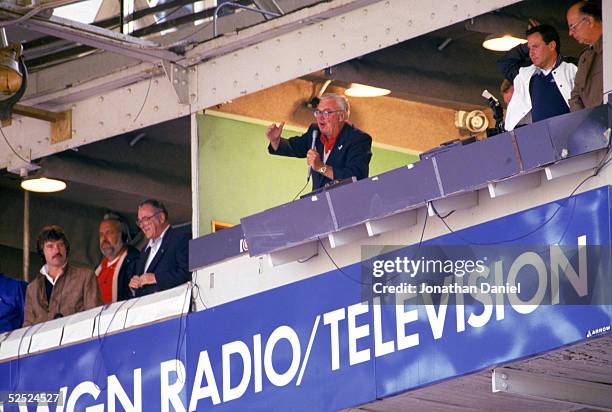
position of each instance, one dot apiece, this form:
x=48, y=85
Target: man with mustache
x=61, y=288
x=119, y=259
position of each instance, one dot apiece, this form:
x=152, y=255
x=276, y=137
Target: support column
x=26, y=235
x=606, y=18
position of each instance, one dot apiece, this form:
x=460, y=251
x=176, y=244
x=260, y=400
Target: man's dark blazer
x=349, y=157
x=128, y=269
x=170, y=264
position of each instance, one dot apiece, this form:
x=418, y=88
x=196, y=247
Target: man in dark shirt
x=333, y=148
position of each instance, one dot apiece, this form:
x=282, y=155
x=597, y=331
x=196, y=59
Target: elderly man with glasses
x=163, y=264
x=333, y=148
x=584, y=23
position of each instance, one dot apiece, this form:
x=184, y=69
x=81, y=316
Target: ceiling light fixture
x=361, y=90
x=37, y=182
x=43, y=185
x=501, y=42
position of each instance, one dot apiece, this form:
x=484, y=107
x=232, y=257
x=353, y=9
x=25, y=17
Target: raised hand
x=274, y=133
x=533, y=23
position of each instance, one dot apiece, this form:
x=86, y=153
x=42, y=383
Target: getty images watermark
x=488, y=274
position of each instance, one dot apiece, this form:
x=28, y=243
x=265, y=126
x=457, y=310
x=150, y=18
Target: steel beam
x=606, y=18
x=92, y=36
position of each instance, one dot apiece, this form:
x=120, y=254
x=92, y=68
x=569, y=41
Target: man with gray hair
x=164, y=263
x=584, y=24
x=117, y=266
x=333, y=148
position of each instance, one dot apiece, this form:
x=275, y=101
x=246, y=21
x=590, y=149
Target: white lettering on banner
x=403, y=317
x=499, y=298
x=436, y=320
x=332, y=318
x=257, y=362
x=380, y=348
x=116, y=392
x=356, y=332
x=478, y=321
x=170, y=392
x=204, y=369
x=558, y=260
x=240, y=348
x=528, y=259
x=349, y=329
x=282, y=332
x=84, y=388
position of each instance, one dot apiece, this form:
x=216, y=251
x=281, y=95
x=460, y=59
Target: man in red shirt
x=115, y=270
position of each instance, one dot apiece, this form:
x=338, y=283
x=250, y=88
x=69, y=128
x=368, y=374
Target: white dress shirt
x=45, y=271
x=154, y=245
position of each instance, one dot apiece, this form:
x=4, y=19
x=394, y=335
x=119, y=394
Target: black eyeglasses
x=325, y=113
x=146, y=219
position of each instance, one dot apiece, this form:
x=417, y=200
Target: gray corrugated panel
x=472, y=166
x=215, y=247
x=288, y=225
x=579, y=132
x=385, y=194
x=543, y=143
x=535, y=145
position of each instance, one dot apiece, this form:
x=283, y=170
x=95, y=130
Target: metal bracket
x=183, y=81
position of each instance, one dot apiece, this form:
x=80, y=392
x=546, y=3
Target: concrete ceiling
x=456, y=74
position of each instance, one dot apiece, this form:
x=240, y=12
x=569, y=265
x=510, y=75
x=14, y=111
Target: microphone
x=489, y=96
x=315, y=134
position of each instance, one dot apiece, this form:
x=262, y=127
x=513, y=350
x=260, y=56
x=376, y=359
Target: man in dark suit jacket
x=163, y=264
x=340, y=149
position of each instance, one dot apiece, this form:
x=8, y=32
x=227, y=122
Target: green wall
x=239, y=178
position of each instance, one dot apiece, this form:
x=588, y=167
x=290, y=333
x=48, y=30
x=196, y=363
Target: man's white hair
x=341, y=101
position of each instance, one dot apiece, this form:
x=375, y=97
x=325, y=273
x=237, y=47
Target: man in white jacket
x=541, y=90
